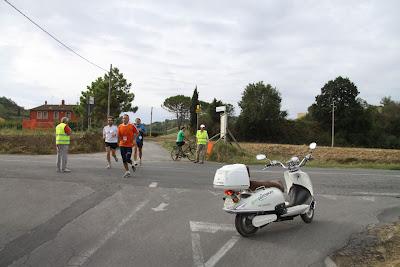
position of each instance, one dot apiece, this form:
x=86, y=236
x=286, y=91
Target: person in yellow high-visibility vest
x=63, y=133
x=201, y=140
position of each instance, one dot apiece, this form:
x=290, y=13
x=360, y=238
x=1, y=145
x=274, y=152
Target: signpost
x=198, y=110
x=90, y=102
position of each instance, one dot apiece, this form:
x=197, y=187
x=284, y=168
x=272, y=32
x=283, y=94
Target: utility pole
x=109, y=92
x=333, y=122
x=151, y=119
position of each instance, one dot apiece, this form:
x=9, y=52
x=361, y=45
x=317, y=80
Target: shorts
x=180, y=143
x=111, y=145
x=139, y=144
x=126, y=153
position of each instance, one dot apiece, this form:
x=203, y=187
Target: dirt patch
x=378, y=246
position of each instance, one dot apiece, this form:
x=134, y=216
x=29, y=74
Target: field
x=331, y=157
x=345, y=157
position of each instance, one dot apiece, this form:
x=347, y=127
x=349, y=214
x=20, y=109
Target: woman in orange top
x=127, y=135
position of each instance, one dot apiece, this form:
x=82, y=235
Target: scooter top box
x=234, y=176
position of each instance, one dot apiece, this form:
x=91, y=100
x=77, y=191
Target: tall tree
x=121, y=97
x=386, y=123
x=351, y=123
x=193, y=104
x=261, y=114
x=178, y=105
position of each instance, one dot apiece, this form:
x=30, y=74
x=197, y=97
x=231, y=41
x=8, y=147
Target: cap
x=202, y=126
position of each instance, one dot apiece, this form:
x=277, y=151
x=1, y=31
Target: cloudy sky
x=168, y=47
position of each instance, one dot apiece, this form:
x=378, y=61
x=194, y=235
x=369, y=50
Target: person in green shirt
x=180, y=139
x=201, y=140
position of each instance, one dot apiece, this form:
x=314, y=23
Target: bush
x=44, y=143
x=226, y=152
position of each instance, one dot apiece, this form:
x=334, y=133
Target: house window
x=56, y=115
x=68, y=114
x=42, y=115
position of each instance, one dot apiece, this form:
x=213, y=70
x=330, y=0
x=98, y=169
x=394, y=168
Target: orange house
x=46, y=116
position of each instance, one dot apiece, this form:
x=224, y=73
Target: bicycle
x=187, y=151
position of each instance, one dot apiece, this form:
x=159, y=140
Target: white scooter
x=258, y=203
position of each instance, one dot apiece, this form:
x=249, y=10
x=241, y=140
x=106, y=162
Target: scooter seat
x=272, y=183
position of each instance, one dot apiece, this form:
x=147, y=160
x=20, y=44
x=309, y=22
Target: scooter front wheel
x=244, y=225
x=309, y=215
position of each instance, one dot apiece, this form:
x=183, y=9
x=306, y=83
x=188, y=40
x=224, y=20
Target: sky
x=167, y=48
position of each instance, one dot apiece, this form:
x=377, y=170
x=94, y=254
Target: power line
x=55, y=38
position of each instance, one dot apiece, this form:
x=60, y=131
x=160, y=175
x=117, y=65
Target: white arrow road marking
x=153, y=185
x=83, y=257
x=161, y=207
x=206, y=227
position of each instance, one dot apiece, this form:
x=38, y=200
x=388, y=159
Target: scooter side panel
x=262, y=200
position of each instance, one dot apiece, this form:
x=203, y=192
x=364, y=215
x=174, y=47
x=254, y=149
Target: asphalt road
x=168, y=214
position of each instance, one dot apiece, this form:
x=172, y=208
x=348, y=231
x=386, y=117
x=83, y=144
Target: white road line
x=210, y=227
x=221, y=252
x=334, y=173
x=331, y=197
x=197, y=252
x=214, y=193
x=161, y=207
x=384, y=194
x=83, y=257
x=329, y=262
x=153, y=185
x=367, y=198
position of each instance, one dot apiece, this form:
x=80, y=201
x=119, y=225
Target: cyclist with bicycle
x=180, y=139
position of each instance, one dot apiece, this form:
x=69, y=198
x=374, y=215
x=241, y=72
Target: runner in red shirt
x=127, y=139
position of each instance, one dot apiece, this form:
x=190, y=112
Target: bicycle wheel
x=190, y=154
x=175, y=154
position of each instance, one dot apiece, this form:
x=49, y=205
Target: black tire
x=244, y=226
x=308, y=216
x=175, y=154
x=190, y=154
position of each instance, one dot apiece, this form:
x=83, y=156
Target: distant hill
x=10, y=110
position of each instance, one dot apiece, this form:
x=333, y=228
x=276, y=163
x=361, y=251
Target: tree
x=351, y=122
x=261, y=114
x=386, y=124
x=121, y=97
x=179, y=105
x=193, y=115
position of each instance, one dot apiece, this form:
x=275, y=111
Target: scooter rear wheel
x=244, y=225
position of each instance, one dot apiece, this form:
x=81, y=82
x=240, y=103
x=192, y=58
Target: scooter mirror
x=261, y=157
x=313, y=145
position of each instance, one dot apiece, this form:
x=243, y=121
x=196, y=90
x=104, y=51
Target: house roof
x=54, y=108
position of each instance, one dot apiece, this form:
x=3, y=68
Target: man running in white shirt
x=110, y=135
